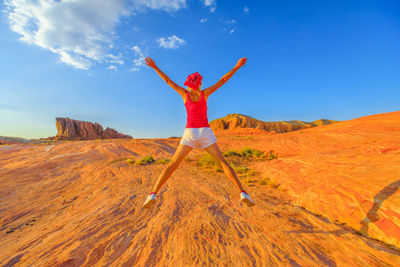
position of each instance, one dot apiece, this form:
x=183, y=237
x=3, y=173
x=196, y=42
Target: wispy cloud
x=115, y=59
x=134, y=69
x=212, y=4
x=80, y=32
x=172, y=42
x=232, y=31
x=167, y=5
x=231, y=21
x=203, y=20
x=112, y=67
x=246, y=10
x=139, y=60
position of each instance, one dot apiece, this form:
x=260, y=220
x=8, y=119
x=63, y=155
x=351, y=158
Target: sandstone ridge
x=239, y=121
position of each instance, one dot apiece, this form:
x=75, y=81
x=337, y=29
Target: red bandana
x=193, y=81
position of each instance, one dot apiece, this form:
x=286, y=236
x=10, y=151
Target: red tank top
x=196, y=112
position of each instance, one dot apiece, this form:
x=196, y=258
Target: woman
x=198, y=132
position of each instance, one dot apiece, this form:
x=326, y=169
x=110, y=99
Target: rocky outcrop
x=237, y=121
x=69, y=129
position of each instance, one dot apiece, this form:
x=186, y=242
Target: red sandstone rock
x=69, y=129
x=238, y=121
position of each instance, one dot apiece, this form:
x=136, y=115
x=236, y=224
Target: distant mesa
x=69, y=129
x=240, y=122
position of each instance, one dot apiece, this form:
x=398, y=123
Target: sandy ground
x=79, y=203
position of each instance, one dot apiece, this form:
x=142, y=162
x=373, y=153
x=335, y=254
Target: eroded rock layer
x=236, y=121
x=69, y=129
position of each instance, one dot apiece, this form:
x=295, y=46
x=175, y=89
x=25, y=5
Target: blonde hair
x=192, y=90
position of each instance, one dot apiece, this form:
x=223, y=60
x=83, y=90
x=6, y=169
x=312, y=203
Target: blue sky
x=84, y=60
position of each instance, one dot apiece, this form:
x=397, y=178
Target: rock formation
x=237, y=121
x=69, y=129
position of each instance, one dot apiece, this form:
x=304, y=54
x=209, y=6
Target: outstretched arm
x=208, y=91
x=182, y=91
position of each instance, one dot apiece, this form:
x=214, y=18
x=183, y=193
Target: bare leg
x=214, y=151
x=179, y=155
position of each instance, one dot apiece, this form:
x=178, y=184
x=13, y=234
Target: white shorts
x=198, y=137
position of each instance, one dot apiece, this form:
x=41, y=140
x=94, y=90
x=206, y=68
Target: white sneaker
x=150, y=200
x=245, y=198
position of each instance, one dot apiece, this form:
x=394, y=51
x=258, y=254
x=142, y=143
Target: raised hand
x=150, y=62
x=241, y=62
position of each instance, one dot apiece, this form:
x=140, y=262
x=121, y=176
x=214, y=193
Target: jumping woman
x=197, y=132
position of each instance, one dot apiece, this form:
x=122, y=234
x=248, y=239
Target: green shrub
x=271, y=155
x=117, y=160
x=163, y=161
x=246, y=152
x=240, y=169
x=231, y=153
x=251, y=152
x=145, y=160
x=243, y=171
x=130, y=161
x=207, y=161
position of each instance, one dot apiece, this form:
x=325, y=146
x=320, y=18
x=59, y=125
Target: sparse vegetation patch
x=142, y=161
x=117, y=160
x=271, y=155
x=248, y=152
x=251, y=152
x=163, y=161
x=130, y=161
x=267, y=181
x=145, y=160
x=231, y=153
x=206, y=161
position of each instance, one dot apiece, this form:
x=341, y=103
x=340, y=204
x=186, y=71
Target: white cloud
x=232, y=31
x=167, y=5
x=115, y=59
x=134, y=69
x=80, y=32
x=231, y=21
x=112, y=67
x=139, y=60
x=171, y=42
x=203, y=20
x=246, y=10
x=210, y=3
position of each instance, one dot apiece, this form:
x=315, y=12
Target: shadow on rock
x=372, y=214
